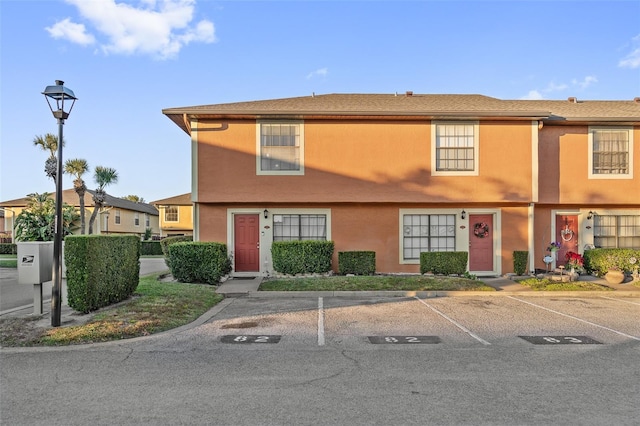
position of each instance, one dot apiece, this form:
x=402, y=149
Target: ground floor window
x=296, y=227
x=611, y=231
x=427, y=232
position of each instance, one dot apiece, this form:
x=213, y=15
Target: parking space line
x=620, y=300
x=320, y=321
x=577, y=319
x=452, y=321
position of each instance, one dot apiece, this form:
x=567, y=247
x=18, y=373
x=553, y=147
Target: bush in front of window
x=101, y=269
x=520, y=262
x=357, y=262
x=599, y=261
x=302, y=257
x=444, y=262
x=198, y=262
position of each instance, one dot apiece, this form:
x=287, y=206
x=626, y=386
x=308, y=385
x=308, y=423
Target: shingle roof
x=178, y=200
x=414, y=105
x=69, y=196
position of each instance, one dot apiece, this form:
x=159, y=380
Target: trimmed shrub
x=302, y=257
x=199, y=262
x=150, y=248
x=444, y=262
x=101, y=269
x=8, y=248
x=357, y=262
x=166, y=242
x=599, y=261
x=520, y=262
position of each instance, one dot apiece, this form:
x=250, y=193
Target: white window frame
x=591, y=175
x=136, y=219
x=117, y=219
x=259, y=170
x=177, y=214
x=434, y=149
x=461, y=237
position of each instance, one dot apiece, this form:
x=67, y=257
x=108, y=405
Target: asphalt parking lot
x=402, y=323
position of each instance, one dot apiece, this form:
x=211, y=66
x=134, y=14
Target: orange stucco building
x=401, y=174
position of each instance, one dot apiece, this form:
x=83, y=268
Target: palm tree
x=77, y=167
x=49, y=142
x=103, y=176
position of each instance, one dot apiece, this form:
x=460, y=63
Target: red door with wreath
x=481, y=242
x=567, y=236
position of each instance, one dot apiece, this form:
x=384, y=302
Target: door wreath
x=481, y=230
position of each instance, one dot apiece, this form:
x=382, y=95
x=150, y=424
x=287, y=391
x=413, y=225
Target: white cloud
x=75, y=33
x=632, y=60
x=322, y=72
x=533, y=95
x=586, y=82
x=159, y=28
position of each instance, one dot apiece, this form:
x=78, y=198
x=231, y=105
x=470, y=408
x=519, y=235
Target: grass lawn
x=550, y=285
x=376, y=282
x=156, y=306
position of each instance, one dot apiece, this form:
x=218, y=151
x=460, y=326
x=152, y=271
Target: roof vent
x=636, y=100
x=409, y=93
x=573, y=99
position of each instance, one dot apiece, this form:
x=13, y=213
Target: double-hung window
x=280, y=148
x=612, y=231
x=297, y=227
x=427, y=232
x=454, y=148
x=610, y=153
x=116, y=220
x=136, y=219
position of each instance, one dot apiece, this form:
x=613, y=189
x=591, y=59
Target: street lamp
x=59, y=94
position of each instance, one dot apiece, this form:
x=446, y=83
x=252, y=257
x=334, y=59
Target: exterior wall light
x=463, y=215
x=266, y=213
x=590, y=216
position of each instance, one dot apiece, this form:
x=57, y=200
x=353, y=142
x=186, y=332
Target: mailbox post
x=35, y=266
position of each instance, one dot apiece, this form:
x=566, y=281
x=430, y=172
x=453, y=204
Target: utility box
x=35, y=262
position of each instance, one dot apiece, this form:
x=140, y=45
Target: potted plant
x=574, y=262
x=614, y=275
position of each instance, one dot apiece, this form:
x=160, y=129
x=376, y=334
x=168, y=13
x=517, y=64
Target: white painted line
x=320, y=322
x=460, y=326
x=620, y=300
x=577, y=319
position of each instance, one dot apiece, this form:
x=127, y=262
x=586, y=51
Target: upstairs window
x=171, y=214
x=455, y=148
x=280, y=147
x=136, y=219
x=610, y=153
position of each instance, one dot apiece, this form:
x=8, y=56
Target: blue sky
x=126, y=60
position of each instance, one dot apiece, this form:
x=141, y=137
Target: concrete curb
x=434, y=294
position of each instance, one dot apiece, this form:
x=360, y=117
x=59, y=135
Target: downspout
x=536, y=126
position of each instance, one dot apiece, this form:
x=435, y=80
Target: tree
x=49, y=142
x=77, y=167
x=134, y=198
x=103, y=176
x=37, y=221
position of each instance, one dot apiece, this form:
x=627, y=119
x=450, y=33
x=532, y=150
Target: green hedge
x=166, y=242
x=444, y=262
x=8, y=248
x=199, y=262
x=598, y=261
x=150, y=248
x=520, y=262
x=101, y=269
x=302, y=257
x=357, y=262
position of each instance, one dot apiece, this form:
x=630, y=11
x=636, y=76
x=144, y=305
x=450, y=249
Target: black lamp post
x=59, y=94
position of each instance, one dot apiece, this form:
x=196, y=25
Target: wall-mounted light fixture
x=463, y=215
x=590, y=216
x=266, y=213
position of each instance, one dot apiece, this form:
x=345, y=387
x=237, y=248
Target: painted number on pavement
x=403, y=339
x=560, y=340
x=231, y=338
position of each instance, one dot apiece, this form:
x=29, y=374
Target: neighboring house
x=403, y=174
x=176, y=215
x=118, y=216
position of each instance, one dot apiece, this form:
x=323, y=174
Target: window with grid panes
x=455, y=147
x=427, y=232
x=610, y=153
x=171, y=214
x=116, y=219
x=136, y=219
x=297, y=227
x=616, y=231
x=280, y=147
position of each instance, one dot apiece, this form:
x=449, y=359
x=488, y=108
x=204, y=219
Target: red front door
x=247, y=242
x=481, y=234
x=567, y=236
